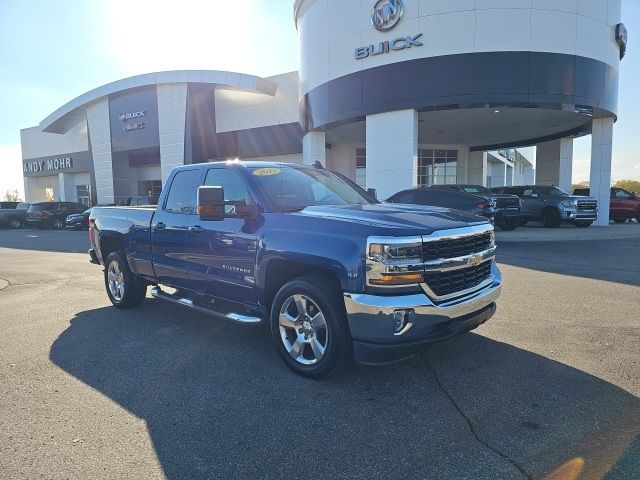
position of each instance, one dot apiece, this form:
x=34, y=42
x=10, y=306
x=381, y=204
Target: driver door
x=221, y=254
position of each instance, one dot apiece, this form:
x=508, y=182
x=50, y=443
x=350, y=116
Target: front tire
x=551, y=218
x=58, y=223
x=308, y=324
x=123, y=288
x=510, y=225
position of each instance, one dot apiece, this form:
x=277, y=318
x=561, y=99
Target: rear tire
x=58, y=223
x=15, y=223
x=123, y=288
x=583, y=224
x=312, y=343
x=551, y=218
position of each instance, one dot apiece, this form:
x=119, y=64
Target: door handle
x=196, y=229
x=160, y=226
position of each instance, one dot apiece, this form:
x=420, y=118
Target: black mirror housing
x=373, y=192
x=210, y=203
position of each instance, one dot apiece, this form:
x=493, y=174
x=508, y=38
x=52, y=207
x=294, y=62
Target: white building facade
x=391, y=93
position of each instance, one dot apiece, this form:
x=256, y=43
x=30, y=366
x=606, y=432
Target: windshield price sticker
x=266, y=172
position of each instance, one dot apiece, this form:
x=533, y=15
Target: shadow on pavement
x=608, y=260
x=219, y=403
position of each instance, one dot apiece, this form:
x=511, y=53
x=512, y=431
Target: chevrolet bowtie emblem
x=475, y=261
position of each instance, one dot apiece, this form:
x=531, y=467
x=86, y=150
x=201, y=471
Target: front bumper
x=508, y=214
x=571, y=215
x=372, y=321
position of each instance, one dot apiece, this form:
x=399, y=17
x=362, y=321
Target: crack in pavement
x=472, y=429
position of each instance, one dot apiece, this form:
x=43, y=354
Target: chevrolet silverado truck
x=331, y=271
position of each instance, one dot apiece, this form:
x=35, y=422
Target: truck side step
x=157, y=292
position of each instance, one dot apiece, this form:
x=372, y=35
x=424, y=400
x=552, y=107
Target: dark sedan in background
x=447, y=198
x=78, y=221
x=508, y=207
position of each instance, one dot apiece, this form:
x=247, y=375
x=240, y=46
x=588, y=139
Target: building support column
x=314, y=148
x=554, y=163
x=392, y=151
x=172, y=117
x=600, y=181
x=477, y=170
x=100, y=139
x=61, y=194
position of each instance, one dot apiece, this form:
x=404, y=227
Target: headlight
x=394, y=263
x=569, y=203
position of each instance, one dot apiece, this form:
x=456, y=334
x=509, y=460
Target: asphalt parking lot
x=551, y=384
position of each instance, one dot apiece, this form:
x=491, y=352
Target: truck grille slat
x=587, y=205
x=448, y=282
x=451, y=248
x=507, y=202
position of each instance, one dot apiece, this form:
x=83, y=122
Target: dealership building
x=391, y=93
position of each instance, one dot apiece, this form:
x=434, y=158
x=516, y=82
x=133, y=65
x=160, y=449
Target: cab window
x=234, y=187
x=182, y=194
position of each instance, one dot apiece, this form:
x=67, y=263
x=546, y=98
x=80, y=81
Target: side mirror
x=212, y=206
x=210, y=203
x=373, y=192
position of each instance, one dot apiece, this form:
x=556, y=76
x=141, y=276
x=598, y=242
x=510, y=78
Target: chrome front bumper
x=372, y=320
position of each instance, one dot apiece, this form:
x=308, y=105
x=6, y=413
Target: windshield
x=292, y=189
x=476, y=189
x=553, y=191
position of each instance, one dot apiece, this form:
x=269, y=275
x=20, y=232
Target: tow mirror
x=373, y=192
x=213, y=207
x=210, y=203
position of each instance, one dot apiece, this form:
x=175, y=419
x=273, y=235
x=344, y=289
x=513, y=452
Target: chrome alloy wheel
x=58, y=224
x=303, y=329
x=116, y=281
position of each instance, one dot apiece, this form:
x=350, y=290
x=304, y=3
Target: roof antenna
x=318, y=165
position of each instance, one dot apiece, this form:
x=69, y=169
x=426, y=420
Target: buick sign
x=400, y=43
x=130, y=116
x=387, y=14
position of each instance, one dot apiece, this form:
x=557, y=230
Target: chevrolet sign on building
x=396, y=94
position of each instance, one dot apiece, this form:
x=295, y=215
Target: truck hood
x=396, y=215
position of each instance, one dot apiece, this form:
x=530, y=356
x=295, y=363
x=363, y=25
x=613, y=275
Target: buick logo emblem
x=387, y=14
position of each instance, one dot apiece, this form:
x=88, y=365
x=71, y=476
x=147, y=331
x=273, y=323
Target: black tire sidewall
x=553, y=218
x=326, y=296
x=18, y=223
x=132, y=289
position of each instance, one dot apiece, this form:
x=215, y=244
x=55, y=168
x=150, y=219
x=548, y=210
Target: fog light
x=401, y=318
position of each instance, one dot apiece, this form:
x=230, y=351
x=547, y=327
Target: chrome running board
x=157, y=292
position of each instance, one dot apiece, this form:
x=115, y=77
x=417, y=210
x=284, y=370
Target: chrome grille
x=452, y=281
x=455, y=247
x=587, y=205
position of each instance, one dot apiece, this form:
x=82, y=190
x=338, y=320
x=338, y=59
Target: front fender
x=329, y=251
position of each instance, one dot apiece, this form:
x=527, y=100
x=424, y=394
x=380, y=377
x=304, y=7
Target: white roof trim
x=73, y=112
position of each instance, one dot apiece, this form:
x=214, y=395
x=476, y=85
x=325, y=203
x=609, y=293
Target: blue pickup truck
x=331, y=271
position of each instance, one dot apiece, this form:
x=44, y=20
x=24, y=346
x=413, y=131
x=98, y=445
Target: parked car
x=624, y=205
x=433, y=197
x=80, y=221
x=553, y=206
x=13, y=214
x=52, y=214
x=298, y=248
x=507, y=206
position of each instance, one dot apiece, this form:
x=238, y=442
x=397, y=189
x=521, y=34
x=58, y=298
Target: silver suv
x=553, y=206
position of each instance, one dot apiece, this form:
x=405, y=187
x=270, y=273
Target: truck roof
x=247, y=163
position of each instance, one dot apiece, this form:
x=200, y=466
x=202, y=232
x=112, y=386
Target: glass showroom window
x=151, y=189
x=437, y=167
x=83, y=194
x=361, y=167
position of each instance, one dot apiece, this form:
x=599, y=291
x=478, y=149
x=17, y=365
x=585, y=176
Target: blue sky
x=52, y=51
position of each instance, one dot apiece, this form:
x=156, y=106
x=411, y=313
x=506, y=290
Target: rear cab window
x=182, y=192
